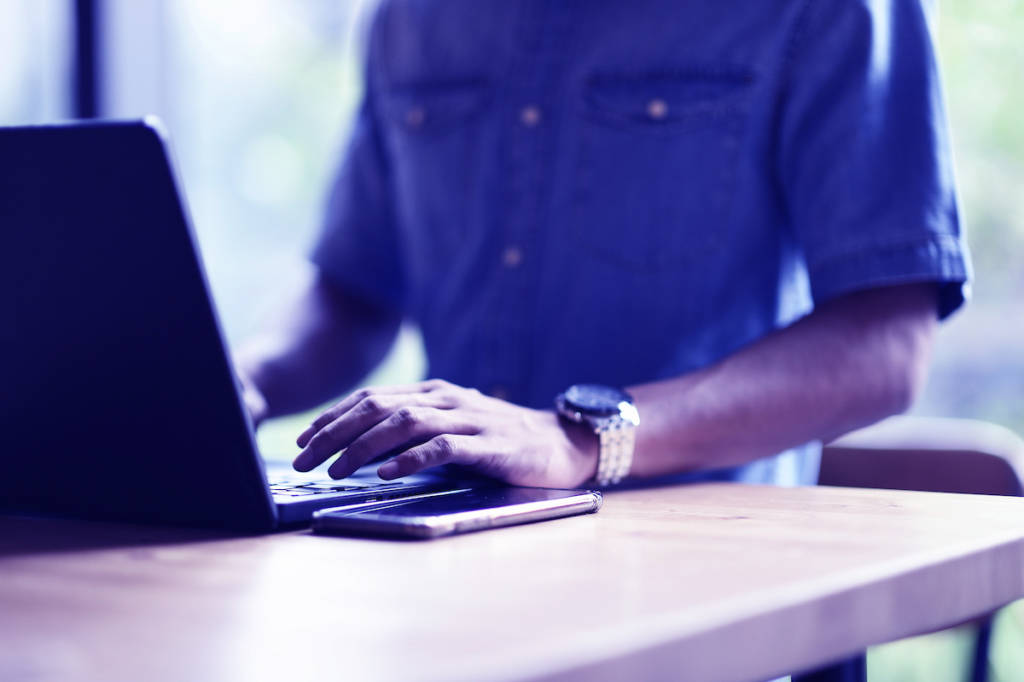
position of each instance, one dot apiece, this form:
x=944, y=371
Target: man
x=742, y=212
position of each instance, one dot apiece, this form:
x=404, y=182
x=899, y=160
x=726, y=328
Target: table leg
x=853, y=669
x=979, y=665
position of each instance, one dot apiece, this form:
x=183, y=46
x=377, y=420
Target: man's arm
x=853, y=361
x=323, y=344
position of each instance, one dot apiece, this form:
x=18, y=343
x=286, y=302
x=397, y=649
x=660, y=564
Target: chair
x=931, y=454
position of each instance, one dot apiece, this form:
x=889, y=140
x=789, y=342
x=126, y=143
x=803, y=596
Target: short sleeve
x=358, y=246
x=864, y=154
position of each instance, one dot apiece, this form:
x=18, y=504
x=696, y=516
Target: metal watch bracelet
x=617, y=441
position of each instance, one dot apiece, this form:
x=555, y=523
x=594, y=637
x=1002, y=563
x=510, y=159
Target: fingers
x=434, y=423
x=334, y=412
x=371, y=410
x=405, y=426
x=442, y=449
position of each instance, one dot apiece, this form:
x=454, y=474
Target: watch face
x=596, y=399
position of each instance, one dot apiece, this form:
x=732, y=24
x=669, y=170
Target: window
x=255, y=94
x=34, y=79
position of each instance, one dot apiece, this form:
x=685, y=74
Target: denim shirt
x=564, y=191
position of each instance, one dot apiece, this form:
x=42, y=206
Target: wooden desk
x=705, y=582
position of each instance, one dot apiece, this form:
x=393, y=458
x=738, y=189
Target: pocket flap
x=663, y=97
x=424, y=107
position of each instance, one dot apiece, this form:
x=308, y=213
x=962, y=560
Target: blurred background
x=257, y=95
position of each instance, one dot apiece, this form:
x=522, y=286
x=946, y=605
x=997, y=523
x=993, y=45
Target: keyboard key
x=297, y=488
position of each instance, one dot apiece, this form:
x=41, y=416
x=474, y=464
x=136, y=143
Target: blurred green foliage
x=981, y=46
x=979, y=367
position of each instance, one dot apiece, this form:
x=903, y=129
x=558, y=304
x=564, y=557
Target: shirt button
x=415, y=116
x=529, y=116
x=657, y=109
x=512, y=257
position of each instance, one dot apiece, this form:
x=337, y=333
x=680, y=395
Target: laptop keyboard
x=294, y=488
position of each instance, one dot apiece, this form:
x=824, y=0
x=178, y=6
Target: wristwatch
x=610, y=412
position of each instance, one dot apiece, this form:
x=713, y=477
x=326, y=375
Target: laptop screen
x=118, y=397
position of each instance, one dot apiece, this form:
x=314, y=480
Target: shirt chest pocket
x=657, y=166
x=433, y=134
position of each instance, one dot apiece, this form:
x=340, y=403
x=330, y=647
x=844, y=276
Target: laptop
x=118, y=399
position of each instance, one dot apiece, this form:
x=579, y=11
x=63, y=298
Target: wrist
x=610, y=415
x=585, y=449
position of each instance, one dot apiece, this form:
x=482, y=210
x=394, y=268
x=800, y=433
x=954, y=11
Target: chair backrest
x=927, y=453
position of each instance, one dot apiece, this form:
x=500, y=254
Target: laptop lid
x=117, y=396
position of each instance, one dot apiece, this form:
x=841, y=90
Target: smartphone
x=456, y=511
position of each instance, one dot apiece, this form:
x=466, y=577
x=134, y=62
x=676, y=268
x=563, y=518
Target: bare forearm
x=323, y=343
x=850, y=363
